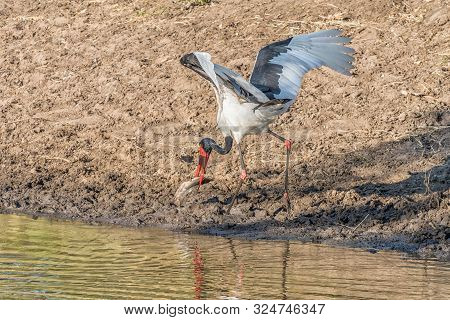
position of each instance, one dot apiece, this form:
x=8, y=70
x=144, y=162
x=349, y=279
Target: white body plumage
x=237, y=118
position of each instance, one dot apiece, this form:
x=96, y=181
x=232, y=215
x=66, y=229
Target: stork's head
x=204, y=151
x=191, y=61
x=188, y=59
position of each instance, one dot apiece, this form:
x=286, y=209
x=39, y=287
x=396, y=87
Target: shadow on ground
x=403, y=215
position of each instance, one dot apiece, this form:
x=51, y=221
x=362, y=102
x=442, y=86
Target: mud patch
x=99, y=122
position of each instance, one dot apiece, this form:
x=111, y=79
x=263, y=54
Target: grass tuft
x=194, y=3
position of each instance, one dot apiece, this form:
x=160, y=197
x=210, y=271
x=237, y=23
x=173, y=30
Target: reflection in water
x=284, y=271
x=41, y=259
x=198, y=272
x=240, y=267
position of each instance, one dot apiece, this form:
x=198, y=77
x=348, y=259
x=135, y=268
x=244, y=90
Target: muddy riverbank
x=99, y=122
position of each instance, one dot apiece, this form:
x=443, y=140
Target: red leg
x=288, y=145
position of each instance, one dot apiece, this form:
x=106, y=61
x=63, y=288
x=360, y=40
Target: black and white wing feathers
x=223, y=78
x=280, y=66
x=278, y=71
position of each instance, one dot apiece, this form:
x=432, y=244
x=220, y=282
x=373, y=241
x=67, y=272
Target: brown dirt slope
x=99, y=120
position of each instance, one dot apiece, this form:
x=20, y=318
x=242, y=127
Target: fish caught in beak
x=203, y=158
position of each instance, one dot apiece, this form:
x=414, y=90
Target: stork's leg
x=288, y=146
x=241, y=178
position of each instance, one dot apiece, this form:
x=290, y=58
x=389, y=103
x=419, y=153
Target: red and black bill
x=201, y=167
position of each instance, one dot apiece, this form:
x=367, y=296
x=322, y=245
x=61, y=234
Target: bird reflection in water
x=285, y=260
x=240, y=271
x=198, y=272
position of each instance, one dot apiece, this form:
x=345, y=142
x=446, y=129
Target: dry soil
x=99, y=122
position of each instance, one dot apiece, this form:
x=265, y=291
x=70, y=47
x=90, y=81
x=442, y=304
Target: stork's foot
x=288, y=144
x=287, y=202
x=242, y=178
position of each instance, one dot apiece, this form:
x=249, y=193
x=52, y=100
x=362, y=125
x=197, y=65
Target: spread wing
x=241, y=87
x=222, y=78
x=280, y=66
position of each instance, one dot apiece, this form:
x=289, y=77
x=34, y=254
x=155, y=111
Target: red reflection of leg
x=198, y=272
x=241, y=274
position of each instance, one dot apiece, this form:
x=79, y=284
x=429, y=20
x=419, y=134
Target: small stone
x=281, y=217
x=445, y=99
x=438, y=17
x=260, y=214
x=402, y=117
x=60, y=21
x=350, y=197
x=236, y=211
x=403, y=92
x=356, y=94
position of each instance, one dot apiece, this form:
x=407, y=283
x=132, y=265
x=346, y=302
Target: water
x=42, y=259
